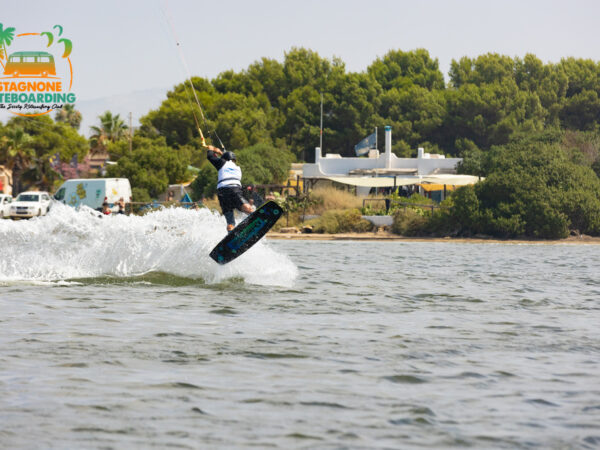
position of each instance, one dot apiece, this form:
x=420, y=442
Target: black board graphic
x=247, y=233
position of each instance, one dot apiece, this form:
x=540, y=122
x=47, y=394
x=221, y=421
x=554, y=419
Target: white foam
x=68, y=244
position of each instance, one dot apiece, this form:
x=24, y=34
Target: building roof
x=450, y=180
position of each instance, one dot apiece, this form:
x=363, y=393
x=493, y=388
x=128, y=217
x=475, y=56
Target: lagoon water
x=121, y=333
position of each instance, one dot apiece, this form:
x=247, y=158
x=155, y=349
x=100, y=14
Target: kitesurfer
x=229, y=185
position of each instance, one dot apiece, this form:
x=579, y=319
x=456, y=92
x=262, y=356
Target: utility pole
x=321, y=133
x=130, y=133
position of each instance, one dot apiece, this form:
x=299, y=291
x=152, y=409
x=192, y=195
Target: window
x=28, y=198
x=60, y=194
x=44, y=59
x=28, y=59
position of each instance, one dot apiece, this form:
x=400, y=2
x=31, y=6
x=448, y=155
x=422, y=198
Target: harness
x=230, y=174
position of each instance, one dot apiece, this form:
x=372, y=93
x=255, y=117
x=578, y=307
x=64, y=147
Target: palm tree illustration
x=68, y=47
x=50, y=37
x=6, y=37
x=67, y=42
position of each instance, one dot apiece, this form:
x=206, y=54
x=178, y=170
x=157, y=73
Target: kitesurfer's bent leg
x=228, y=204
x=231, y=198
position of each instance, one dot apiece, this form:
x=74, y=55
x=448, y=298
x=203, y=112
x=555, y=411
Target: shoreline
x=386, y=236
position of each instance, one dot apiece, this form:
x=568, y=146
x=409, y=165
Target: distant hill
x=139, y=103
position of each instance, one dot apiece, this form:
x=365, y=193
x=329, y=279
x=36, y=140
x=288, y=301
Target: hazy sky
x=123, y=46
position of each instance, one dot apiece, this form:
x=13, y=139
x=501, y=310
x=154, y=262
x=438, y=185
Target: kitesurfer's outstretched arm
x=217, y=150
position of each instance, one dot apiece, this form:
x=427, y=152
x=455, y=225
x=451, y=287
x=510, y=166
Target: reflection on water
x=303, y=344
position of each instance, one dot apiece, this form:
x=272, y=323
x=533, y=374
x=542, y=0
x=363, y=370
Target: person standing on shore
x=229, y=185
x=121, y=206
x=253, y=196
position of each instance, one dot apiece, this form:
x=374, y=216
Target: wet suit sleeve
x=214, y=159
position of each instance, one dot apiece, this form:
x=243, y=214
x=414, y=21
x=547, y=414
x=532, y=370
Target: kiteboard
x=247, y=233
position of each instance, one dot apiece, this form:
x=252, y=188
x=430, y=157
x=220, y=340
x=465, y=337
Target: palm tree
x=16, y=151
x=41, y=174
x=70, y=115
x=6, y=37
x=111, y=129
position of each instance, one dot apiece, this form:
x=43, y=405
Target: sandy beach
x=387, y=236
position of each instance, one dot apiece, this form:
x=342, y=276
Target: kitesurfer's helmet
x=228, y=156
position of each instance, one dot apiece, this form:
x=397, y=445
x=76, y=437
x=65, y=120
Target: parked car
x=29, y=204
x=5, y=201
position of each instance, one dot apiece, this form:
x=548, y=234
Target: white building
x=385, y=170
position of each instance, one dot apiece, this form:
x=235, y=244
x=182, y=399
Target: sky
x=126, y=46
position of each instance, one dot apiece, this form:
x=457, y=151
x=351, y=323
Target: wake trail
x=68, y=244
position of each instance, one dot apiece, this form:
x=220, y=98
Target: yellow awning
x=437, y=187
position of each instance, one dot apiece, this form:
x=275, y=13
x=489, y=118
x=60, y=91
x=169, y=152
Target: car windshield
x=28, y=198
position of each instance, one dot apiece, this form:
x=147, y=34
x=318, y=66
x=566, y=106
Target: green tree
x=398, y=69
x=48, y=138
x=581, y=111
x=465, y=209
x=151, y=166
x=533, y=189
x=264, y=164
x=178, y=117
x=582, y=75
x=267, y=75
x=549, y=82
x=303, y=67
x=489, y=99
x=489, y=114
x=241, y=120
x=17, y=154
x=112, y=128
x=351, y=110
x=416, y=115
x=485, y=69
x=68, y=114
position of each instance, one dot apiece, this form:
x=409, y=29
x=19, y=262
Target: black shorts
x=231, y=198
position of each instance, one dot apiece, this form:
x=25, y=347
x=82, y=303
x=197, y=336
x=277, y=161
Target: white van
x=92, y=192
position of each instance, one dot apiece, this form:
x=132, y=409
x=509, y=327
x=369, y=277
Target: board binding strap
x=247, y=233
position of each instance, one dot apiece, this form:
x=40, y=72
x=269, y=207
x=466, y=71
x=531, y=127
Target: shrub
x=441, y=222
x=327, y=199
x=205, y=184
x=466, y=209
x=139, y=194
x=346, y=221
x=409, y=223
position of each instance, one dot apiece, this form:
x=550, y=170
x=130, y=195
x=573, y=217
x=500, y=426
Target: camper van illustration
x=30, y=63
